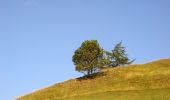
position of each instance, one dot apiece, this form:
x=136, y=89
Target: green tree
x=118, y=56
x=87, y=58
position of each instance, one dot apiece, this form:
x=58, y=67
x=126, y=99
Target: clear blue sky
x=39, y=37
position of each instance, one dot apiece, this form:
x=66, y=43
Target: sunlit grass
x=137, y=82
x=162, y=94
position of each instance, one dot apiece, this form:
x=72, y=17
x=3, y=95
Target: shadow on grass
x=91, y=76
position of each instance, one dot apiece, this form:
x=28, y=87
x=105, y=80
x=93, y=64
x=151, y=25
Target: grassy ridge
x=119, y=82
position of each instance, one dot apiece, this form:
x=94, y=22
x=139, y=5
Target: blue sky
x=39, y=37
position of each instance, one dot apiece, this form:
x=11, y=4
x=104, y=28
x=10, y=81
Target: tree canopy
x=90, y=57
x=87, y=57
x=118, y=56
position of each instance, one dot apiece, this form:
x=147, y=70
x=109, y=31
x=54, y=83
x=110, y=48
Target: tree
x=87, y=57
x=118, y=56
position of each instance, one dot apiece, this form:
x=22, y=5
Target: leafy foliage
x=90, y=57
x=117, y=57
x=87, y=57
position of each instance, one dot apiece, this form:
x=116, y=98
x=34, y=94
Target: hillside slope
x=149, y=81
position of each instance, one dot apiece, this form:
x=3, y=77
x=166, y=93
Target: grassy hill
x=149, y=81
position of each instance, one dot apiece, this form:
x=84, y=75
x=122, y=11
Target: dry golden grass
x=145, y=77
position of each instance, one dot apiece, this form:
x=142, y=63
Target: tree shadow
x=91, y=76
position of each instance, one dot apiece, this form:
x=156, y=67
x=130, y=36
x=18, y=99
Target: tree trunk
x=88, y=72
